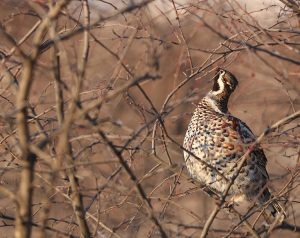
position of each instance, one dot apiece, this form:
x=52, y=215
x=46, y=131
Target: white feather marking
x=213, y=105
x=221, y=84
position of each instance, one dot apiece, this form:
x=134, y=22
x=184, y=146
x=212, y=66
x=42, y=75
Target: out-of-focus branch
x=56, y=231
x=91, y=216
x=138, y=186
x=292, y=4
x=250, y=46
x=80, y=146
x=24, y=208
x=109, y=96
x=131, y=7
x=288, y=226
x=64, y=147
x=183, y=37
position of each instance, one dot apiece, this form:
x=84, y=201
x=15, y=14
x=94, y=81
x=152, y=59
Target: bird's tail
x=274, y=208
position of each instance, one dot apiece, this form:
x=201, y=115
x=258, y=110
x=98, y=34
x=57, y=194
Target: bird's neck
x=218, y=103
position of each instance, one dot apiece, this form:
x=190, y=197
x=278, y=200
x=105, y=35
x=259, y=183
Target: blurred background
x=176, y=46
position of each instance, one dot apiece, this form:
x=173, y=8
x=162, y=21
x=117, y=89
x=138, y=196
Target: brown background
x=268, y=91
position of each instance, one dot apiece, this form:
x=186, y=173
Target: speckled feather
x=220, y=140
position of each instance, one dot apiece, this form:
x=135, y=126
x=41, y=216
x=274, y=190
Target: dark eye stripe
x=216, y=86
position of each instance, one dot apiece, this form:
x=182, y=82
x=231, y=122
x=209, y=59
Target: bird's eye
x=222, y=71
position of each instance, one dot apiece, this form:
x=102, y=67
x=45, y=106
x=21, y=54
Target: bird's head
x=224, y=83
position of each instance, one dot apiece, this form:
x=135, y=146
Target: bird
x=214, y=143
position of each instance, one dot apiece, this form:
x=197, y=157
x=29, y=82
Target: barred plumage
x=219, y=139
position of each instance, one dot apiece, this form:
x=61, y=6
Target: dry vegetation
x=96, y=99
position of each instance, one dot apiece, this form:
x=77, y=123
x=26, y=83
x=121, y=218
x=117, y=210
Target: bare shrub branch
x=96, y=97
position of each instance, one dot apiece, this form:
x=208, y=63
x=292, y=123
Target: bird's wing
x=247, y=137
